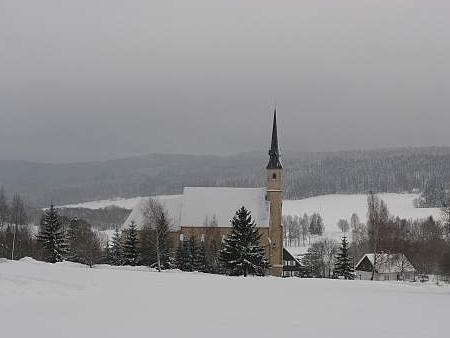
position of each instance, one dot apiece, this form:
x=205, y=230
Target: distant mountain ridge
x=306, y=174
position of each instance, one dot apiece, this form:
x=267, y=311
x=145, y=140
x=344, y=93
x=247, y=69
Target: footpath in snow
x=70, y=300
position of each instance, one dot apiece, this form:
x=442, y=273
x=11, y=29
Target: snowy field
x=331, y=208
x=334, y=207
x=70, y=300
x=127, y=203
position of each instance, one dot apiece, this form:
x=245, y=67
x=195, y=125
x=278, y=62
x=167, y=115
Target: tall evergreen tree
x=242, y=253
x=182, y=256
x=116, y=252
x=344, y=264
x=130, y=246
x=53, y=237
x=106, y=254
x=200, y=263
x=192, y=249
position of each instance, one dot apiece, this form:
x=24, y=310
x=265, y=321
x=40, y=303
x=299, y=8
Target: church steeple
x=275, y=198
x=274, y=153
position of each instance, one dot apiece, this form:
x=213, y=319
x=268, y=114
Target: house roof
x=287, y=256
x=389, y=263
x=198, y=206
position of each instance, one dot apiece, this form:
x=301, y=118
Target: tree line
x=424, y=170
x=59, y=239
x=240, y=253
x=297, y=231
x=425, y=242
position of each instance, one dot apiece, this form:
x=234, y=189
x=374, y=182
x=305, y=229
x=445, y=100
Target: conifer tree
x=182, y=256
x=53, y=237
x=242, y=253
x=106, y=254
x=344, y=265
x=200, y=263
x=192, y=249
x=72, y=239
x=130, y=246
x=116, y=252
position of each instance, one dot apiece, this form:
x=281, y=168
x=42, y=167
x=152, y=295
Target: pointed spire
x=274, y=153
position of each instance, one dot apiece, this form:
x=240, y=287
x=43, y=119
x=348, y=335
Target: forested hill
x=306, y=174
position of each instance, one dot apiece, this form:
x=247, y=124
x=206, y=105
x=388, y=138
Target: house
x=291, y=266
x=206, y=212
x=387, y=267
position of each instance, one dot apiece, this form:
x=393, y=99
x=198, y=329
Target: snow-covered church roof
x=208, y=206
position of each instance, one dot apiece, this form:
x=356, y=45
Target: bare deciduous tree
x=343, y=225
x=157, y=225
x=4, y=208
x=377, y=219
x=18, y=218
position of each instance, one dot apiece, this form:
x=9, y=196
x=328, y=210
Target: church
x=206, y=212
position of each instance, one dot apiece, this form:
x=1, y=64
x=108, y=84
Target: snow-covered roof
x=387, y=263
x=199, y=206
x=171, y=203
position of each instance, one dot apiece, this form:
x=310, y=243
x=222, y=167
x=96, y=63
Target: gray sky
x=87, y=79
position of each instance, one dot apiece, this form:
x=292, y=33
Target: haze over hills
x=306, y=174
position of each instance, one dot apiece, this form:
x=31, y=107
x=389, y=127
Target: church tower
x=274, y=196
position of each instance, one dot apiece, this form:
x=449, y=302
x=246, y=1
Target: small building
x=291, y=266
x=387, y=267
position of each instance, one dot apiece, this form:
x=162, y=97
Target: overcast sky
x=88, y=79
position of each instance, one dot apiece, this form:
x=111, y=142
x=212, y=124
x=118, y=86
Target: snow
x=198, y=203
x=332, y=208
x=127, y=203
x=171, y=203
x=389, y=263
x=70, y=300
x=335, y=207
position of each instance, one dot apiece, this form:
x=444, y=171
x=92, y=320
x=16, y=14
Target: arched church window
x=274, y=176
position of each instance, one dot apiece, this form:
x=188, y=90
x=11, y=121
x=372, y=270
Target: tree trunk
x=13, y=242
x=158, y=253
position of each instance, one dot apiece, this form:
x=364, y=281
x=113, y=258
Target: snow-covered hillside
x=70, y=300
x=127, y=203
x=334, y=207
x=331, y=207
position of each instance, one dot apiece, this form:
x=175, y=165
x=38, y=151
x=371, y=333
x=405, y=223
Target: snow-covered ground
x=71, y=300
x=334, y=207
x=331, y=207
x=127, y=203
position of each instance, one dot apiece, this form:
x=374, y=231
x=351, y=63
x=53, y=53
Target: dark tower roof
x=274, y=153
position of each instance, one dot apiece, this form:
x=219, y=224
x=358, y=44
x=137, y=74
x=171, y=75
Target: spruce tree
x=72, y=239
x=106, y=254
x=53, y=237
x=192, y=249
x=200, y=263
x=116, y=252
x=242, y=253
x=344, y=265
x=182, y=256
x=130, y=246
